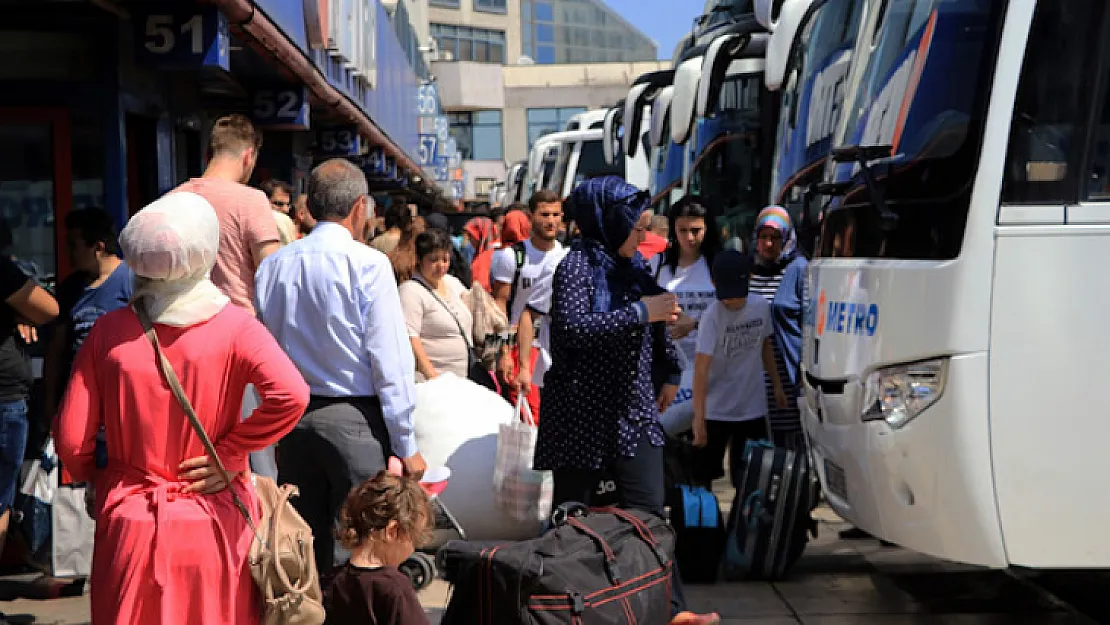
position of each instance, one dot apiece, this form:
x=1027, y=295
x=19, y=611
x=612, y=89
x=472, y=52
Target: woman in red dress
x=171, y=546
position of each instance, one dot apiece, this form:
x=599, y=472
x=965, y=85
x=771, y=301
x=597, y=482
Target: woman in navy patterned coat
x=613, y=364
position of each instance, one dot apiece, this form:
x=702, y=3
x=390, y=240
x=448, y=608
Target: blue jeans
x=13, y=444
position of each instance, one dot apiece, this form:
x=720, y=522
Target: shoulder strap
x=462, y=332
x=179, y=393
x=519, y=252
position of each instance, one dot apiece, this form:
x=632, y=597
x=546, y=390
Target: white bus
x=953, y=340
x=588, y=158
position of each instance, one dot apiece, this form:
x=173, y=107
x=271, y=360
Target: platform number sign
x=374, y=164
x=282, y=107
x=427, y=100
x=339, y=142
x=428, y=145
x=181, y=36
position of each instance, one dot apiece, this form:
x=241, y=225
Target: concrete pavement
x=836, y=583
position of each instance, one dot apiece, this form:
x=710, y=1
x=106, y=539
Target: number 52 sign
x=181, y=36
x=281, y=107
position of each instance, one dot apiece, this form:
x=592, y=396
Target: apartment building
x=510, y=71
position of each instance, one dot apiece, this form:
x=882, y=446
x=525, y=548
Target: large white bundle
x=457, y=423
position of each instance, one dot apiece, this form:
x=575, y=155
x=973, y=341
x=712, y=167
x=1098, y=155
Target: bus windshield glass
x=923, y=92
x=729, y=160
x=591, y=163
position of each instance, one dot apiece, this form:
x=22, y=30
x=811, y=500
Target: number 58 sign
x=181, y=36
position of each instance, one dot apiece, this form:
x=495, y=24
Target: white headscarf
x=171, y=246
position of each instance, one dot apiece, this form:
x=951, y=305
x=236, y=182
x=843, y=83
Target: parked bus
x=587, y=158
x=958, y=290
x=811, y=72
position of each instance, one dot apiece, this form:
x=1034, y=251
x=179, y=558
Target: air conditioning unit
x=445, y=55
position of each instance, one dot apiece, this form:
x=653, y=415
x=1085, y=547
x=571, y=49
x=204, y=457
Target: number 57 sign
x=181, y=35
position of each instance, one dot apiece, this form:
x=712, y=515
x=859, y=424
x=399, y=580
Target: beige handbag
x=282, y=562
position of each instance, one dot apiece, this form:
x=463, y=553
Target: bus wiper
x=831, y=188
x=863, y=155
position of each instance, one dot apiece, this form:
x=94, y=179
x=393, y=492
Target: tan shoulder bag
x=281, y=558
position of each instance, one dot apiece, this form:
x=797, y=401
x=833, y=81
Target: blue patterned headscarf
x=606, y=210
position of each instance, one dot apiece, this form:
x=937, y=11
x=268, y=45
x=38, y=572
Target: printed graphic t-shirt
x=734, y=338
x=537, y=264
x=81, y=305
x=693, y=286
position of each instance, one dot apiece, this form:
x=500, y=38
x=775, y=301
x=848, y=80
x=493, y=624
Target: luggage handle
x=752, y=510
x=641, y=528
x=611, y=568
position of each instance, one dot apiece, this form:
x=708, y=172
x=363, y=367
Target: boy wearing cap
x=734, y=350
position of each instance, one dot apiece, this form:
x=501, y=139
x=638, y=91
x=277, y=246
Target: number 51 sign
x=181, y=35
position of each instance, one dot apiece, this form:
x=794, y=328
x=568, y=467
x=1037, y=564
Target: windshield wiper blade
x=863, y=155
x=832, y=188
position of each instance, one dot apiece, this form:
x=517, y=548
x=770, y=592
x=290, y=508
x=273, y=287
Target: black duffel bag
x=593, y=567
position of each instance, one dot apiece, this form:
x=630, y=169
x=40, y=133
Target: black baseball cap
x=731, y=271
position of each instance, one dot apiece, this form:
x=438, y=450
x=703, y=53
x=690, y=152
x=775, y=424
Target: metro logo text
x=858, y=318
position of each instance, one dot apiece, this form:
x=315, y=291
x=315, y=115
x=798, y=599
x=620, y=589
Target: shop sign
x=340, y=141
x=282, y=107
x=181, y=35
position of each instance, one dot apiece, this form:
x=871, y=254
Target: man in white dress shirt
x=332, y=304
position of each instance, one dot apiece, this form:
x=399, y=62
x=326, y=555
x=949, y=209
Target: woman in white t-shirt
x=684, y=268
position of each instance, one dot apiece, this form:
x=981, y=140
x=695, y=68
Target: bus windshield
x=591, y=163
x=668, y=173
x=724, y=11
x=728, y=166
x=924, y=92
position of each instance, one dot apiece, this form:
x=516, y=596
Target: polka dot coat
x=598, y=396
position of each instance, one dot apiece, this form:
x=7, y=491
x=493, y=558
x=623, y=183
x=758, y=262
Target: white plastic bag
x=521, y=492
x=72, y=532
x=39, y=482
x=456, y=423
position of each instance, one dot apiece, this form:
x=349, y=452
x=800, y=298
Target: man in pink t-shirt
x=248, y=232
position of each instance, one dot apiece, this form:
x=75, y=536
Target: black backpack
x=519, y=255
x=593, y=567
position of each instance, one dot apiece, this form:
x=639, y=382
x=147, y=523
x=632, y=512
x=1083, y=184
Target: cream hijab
x=171, y=245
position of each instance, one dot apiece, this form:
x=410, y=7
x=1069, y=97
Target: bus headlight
x=898, y=394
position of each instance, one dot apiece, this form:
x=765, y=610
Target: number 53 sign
x=181, y=35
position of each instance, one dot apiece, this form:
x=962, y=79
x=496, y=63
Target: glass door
x=36, y=191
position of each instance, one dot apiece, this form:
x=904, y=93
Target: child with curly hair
x=384, y=519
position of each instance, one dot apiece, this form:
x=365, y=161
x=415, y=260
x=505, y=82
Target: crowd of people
x=299, y=325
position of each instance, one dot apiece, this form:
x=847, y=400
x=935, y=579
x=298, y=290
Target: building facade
x=109, y=103
x=509, y=71
x=580, y=31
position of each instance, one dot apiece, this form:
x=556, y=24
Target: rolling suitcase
x=771, y=520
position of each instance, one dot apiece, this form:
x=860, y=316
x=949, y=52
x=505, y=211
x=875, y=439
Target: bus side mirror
x=762, y=10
